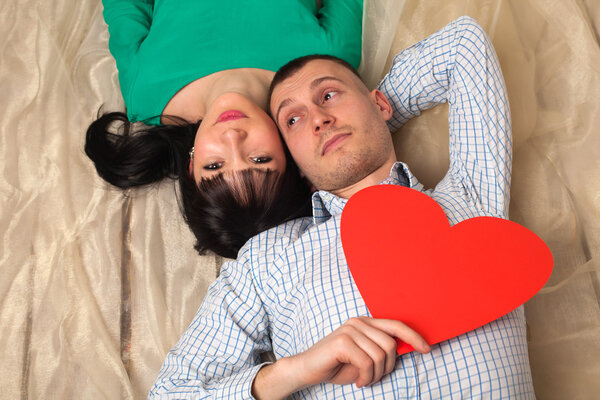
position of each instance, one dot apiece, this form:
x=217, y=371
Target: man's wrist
x=276, y=381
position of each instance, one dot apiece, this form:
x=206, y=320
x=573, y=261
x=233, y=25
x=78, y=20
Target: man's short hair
x=296, y=64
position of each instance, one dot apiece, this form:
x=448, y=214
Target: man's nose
x=322, y=121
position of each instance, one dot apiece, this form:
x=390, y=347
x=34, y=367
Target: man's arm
x=218, y=355
x=361, y=351
x=458, y=65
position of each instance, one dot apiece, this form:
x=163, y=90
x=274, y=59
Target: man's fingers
x=378, y=344
x=363, y=350
x=354, y=354
x=402, y=332
x=364, y=337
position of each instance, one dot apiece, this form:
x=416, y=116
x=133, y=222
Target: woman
x=197, y=73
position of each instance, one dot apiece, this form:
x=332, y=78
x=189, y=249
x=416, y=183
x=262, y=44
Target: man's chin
x=347, y=173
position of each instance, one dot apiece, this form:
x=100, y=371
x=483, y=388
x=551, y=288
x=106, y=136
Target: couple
x=290, y=291
x=184, y=66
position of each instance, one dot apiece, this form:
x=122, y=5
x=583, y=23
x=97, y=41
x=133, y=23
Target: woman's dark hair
x=129, y=158
x=223, y=212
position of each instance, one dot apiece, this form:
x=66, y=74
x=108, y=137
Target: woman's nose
x=234, y=136
x=234, y=139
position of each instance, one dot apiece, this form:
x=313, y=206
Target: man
x=290, y=289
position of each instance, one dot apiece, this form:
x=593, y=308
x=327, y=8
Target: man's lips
x=333, y=142
x=230, y=115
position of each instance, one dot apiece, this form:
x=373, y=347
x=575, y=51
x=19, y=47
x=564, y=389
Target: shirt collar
x=326, y=204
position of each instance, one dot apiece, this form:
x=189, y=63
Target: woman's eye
x=261, y=160
x=213, y=166
x=292, y=121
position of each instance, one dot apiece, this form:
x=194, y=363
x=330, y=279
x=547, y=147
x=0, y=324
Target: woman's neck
x=192, y=101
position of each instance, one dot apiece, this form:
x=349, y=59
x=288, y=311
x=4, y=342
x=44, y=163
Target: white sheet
x=96, y=286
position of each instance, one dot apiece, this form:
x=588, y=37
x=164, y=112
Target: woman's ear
x=385, y=108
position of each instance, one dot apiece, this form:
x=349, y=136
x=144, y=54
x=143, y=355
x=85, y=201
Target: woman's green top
x=160, y=46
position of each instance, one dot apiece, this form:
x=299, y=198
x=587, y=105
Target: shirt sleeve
x=458, y=65
x=218, y=355
x=342, y=22
x=128, y=22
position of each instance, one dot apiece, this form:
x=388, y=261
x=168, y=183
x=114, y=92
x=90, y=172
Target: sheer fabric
x=97, y=285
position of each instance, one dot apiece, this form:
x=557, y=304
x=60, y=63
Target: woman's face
x=236, y=134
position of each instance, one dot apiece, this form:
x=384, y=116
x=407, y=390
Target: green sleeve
x=342, y=21
x=128, y=25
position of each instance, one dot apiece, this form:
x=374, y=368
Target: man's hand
x=362, y=350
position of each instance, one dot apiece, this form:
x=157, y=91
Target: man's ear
x=382, y=103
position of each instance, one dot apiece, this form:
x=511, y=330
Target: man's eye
x=292, y=121
x=329, y=95
x=261, y=160
x=213, y=166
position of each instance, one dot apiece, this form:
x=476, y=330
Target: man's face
x=334, y=127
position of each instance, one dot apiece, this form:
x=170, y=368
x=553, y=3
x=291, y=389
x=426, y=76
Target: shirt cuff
x=240, y=385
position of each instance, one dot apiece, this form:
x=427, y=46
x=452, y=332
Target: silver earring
x=192, y=153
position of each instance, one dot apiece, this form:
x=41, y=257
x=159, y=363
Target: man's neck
x=372, y=179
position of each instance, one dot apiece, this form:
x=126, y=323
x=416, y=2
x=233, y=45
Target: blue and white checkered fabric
x=291, y=285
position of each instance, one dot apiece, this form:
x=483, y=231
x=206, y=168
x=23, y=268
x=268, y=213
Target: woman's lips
x=333, y=142
x=231, y=115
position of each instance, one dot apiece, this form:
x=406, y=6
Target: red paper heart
x=442, y=281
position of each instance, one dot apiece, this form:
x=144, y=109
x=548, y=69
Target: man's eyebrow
x=322, y=79
x=313, y=85
x=283, y=104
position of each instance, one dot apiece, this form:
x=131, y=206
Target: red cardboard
x=442, y=281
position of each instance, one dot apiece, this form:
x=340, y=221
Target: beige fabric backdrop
x=97, y=285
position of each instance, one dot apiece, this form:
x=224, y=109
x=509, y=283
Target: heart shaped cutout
x=442, y=281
